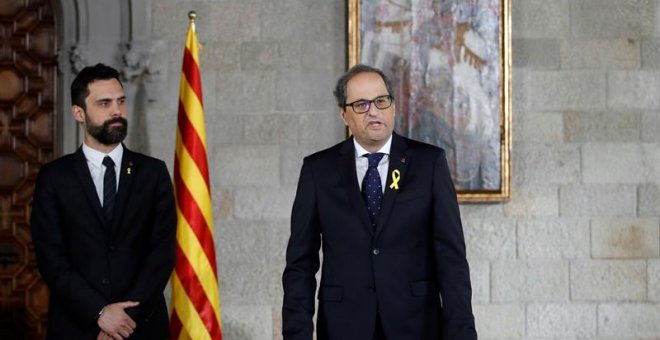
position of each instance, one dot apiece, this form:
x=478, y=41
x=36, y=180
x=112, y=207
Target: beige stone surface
x=625, y=163
x=501, y=321
x=625, y=238
x=654, y=280
x=608, y=280
x=545, y=238
x=480, y=279
x=538, y=128
x=633, y=90
x=540, y=19
x=561, y=320
x=600, y=53
x=570, y=90
x=534, y=201
x=629, y=319
x=536, y=53
x=602, y=126
x=546, y=164
x=490, y=238
x=530, y=281
x=611, y=18
x=597, y=200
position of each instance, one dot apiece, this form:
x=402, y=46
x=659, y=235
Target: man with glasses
x=384, y=210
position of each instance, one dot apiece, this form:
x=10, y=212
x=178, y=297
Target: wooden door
x=27, y=100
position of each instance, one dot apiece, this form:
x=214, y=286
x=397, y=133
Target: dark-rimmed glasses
x=363, y=105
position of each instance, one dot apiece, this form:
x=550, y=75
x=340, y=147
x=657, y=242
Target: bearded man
x=103, y=224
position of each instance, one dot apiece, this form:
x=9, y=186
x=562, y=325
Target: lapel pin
x=403, y=159
x=128, y=170
x=396, y=176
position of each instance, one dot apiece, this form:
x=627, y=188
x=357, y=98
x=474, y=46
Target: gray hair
x=340, y=90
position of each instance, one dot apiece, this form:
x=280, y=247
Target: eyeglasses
x=363, y=105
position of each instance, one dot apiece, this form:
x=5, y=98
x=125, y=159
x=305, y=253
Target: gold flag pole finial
x=192, y=15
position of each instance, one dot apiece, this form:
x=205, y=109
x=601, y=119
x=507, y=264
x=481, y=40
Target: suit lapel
x=126, y=174
x=398, y=161
x=85, y=177
x=349, y=181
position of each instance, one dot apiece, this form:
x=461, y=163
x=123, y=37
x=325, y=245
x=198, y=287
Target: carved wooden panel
x=27, y=92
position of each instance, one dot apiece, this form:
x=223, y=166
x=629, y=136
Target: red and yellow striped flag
x=195, y=299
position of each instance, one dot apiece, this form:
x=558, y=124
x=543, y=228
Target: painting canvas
x=449, y=63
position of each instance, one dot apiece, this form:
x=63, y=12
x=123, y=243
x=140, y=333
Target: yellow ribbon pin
x=396, y=176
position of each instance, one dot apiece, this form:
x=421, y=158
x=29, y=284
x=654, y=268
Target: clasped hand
x=115, y=324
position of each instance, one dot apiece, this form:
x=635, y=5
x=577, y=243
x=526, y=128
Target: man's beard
x=104, y=133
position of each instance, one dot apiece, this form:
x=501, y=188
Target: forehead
x=366, y=85
x=105, y=88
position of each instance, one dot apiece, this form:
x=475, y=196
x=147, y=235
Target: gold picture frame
x=450, y=62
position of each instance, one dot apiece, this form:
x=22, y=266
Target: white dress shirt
x=362, y=163
x=97, y=169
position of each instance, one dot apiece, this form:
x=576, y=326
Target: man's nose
x=116, y=109
x=373, y=110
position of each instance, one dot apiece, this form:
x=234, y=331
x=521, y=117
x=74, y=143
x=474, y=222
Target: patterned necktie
x=109, y=187
x=372, y=189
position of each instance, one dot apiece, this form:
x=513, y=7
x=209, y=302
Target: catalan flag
x=195, y=299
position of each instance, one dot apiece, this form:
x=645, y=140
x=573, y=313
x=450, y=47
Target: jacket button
x=112, y=248
x=376, y=252
x=105, y=282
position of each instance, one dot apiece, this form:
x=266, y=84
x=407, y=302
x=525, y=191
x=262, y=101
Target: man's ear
x=78, y=113
x=342, y=114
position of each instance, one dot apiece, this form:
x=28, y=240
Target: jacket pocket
x=331, y=293
x=423, y=288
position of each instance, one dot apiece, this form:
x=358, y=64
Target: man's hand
x=114, y=321
x=104, y=336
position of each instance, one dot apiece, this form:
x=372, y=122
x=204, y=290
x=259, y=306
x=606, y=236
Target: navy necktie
x=109, y=187
x=372, y=189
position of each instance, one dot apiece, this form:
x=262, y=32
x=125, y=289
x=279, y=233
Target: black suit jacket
x=412, y=270
x=87, y=262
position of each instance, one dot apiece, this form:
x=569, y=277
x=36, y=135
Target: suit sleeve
x=160, y=258
x=302, y=261
x=64, y=282
x=452, y=271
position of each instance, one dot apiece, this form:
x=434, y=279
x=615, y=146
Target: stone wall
x=575, y=253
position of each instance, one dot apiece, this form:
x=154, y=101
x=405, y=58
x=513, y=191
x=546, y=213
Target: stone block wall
x=574, y=254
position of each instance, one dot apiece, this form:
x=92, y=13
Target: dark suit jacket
x=88, y=263
x=412, y=270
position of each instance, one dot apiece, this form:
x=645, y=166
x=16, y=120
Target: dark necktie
x=109, y=187
x=372, y=189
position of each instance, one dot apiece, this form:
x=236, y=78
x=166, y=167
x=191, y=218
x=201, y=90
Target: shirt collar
x=360, y=151
x=96, y=157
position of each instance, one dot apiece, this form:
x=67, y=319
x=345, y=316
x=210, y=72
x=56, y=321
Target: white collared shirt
x=362, y=163
x=96, y=167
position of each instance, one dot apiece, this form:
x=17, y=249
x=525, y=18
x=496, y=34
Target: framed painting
x=449, y=61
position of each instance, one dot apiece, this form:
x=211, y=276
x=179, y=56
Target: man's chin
x=378, y=136
x=111, y=140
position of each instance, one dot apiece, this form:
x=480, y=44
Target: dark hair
x=89, y=74
x=340, y=90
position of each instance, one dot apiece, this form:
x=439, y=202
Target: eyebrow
x=101, y=100
x=374, y=98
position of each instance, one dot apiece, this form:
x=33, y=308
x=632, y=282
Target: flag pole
x=192, y=15
x=195, y=298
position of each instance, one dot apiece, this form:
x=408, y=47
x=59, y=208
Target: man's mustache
x=121, y=120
